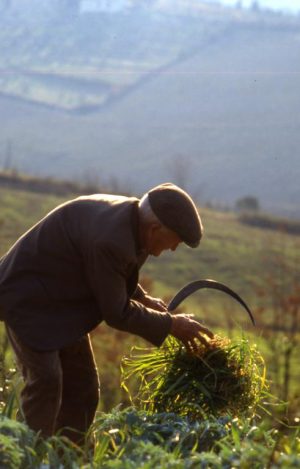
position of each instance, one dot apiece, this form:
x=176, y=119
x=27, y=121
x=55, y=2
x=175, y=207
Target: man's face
x=161, y=239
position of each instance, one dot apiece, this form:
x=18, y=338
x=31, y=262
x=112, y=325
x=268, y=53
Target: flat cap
x=176, y=210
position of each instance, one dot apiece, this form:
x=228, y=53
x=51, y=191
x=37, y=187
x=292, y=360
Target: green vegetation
x=262, y=265
x=138, y=439
x=135, y=439
x=19, y=210
x=166, y=440
x=224, y=378
x=267, y=221
x=15, y=180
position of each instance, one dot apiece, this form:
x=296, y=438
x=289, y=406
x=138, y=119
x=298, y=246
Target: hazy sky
x=292, y=5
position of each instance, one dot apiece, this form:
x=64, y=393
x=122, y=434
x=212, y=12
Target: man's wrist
x=173, y=325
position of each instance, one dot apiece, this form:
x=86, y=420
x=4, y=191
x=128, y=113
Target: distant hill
x=143, y=90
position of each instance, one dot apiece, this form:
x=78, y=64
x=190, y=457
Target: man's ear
x=154, y=228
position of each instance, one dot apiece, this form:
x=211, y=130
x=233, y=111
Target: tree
x=278, y=298
x=255, y=6
x=8, y=156
x=248, y=203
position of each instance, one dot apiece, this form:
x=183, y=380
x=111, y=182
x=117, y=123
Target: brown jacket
x=75, y=268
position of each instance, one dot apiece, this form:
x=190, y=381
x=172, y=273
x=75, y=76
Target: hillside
x=121, y=95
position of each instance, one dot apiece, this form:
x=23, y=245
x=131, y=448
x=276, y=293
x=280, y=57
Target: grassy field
x=252, y=261
x=256, y=263
x=243, y=257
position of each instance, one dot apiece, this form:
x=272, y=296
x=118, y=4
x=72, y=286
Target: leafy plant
x=22, y=448
x=226, y=377
x=135, y=439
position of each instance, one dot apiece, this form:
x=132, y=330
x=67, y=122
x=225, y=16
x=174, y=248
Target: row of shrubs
x=19, y=181
x=267, y=221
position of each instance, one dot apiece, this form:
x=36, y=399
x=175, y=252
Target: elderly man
x=74, y=269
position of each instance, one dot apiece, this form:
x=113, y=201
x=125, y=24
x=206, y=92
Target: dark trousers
x=61, y=388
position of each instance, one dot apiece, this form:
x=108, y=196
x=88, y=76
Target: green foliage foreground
x=225, y=377
x=132, y=439
x=138, y=439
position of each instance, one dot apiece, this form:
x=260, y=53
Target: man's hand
x=154, y=303
x=189, y=331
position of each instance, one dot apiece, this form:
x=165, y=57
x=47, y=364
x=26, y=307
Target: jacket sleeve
x=106, y=271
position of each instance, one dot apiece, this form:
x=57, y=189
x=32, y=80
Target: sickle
x=205, y=283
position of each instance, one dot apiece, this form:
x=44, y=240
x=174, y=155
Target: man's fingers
x=192, y=345
x=162, y=305
x=189, y=347
x=159, y=305
x=199, y=326
x=190, y=332
x=205, y=330
x=202, y=340
x=161, y=302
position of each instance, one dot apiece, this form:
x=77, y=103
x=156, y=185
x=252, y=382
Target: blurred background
x=118, y=96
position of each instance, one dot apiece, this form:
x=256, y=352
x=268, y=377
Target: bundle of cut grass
x=226, y=377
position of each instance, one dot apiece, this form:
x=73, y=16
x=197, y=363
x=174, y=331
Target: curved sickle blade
x=206, y=283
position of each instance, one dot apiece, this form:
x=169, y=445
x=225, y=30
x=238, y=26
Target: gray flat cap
x=175, y=209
